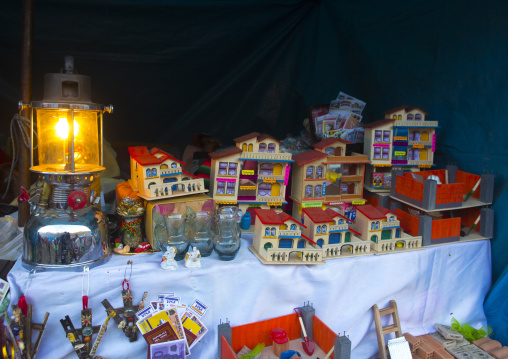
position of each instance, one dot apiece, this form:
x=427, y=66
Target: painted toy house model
x=156, y=175
x=381, y=227
x=327, y=177
x=402, y=139
x=253, y=174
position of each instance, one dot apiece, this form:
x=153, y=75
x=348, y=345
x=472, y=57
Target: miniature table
x=432, y=285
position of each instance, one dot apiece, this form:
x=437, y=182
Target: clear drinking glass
x=233, y=210
x=200, y=233
x=227, y=241
x=177, y=237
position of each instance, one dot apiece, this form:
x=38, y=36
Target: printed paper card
x=198, y=307
x=161, y=296
x=145, y=312
x=174, y=349
x=191, y=322
x=4, y=288
x=162, y=333
x=170, y=301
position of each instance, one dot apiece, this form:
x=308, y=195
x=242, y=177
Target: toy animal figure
x=168, y=259
x=193, y=258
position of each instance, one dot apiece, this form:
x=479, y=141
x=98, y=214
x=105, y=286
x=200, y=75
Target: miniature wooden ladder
x=382, y=331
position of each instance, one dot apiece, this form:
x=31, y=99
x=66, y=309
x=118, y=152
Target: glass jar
x=176, y=237
x=235, y=211
x=200, y=233
x=130, y=231
x=227, y=241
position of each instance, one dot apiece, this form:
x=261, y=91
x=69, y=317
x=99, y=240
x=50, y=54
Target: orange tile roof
x=309, y=156
x=317, y=215
x=246, y=137
x=370, y=211
x=225, y=152
x=329, y=141
x=268, y=216
x=141, y=155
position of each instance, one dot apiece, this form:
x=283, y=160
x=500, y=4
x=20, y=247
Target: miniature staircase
x=392, y=328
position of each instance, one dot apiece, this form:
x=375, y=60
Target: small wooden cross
x=26, y=327
x=81, y=339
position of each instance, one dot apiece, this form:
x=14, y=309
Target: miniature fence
x=166, y=189
x=323, y=336
x=350, y=248
x=416, y=124
x=390, y=245
x=445, y=228
x=289, y=233
x=284, y=255
x=266, y=156
x=390, y=224
x=449, y=193
x=408, y=221
x=469, y=181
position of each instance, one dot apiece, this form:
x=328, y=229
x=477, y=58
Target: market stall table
x=432, y=285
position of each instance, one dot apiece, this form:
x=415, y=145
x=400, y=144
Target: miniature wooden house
x=377, y=146
x=278, y=240
x=157, y=175
x=381, y=227
x=327, y=177
x=330, y=231
x=253, y=174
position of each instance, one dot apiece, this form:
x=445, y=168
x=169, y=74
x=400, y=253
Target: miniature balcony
x=269, y=199
x=289, y=233
x=339, y=227
x=266, y=156
x=392, y=224
x=170, y=171
x=390, y=245
x=272, y=178
x=182, y=188
x=419, y=143
x=420, y=163
x=348, y=159
x=357, y=247
x=284, y=254
x=415, y=124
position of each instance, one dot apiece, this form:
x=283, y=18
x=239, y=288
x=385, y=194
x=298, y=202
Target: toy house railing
x=346, y=159
x=269, y=199
x=345, y=249
x=289, y=233
x=392, y=224
x=170, y=171
x=420, y=163
x=390, y=245
x=177, y=188
x=309, y=254
x=422, y=143
x=266, y=156
x=271, y=177
x=415, y=124
x=339, y=227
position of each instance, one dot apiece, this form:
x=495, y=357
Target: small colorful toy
x=168, y=259
x=193, y=258
x=280, y=341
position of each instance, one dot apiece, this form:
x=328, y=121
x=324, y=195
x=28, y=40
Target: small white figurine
x=193, y=258
x=435, y=178
x=168, y=259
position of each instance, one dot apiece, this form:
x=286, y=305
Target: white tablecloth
x=431, y=285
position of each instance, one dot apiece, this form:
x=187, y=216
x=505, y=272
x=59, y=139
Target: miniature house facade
x=252, y=174
x=278, y=240
x=327, y=177
x=330, y=231
x=157, y=175
x=381, y=227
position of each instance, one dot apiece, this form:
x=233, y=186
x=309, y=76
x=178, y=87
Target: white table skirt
x=431, y=285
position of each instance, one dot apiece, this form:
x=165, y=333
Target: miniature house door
x=423, y=154
x=277, y=169
x=425, y=136
x=275, y=190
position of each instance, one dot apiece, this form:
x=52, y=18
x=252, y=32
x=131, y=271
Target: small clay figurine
x=121, y=249
x=193, y=258
x=168, y=259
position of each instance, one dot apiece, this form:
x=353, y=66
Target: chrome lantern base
x=64, y=231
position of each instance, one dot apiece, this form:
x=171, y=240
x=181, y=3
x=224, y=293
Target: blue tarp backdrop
x=172, y=68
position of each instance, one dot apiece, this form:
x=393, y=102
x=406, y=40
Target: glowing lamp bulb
x=62, y=128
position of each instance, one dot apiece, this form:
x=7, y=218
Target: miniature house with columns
x=381, y=227
x=326, y=177
x=157, y=175
x=252, y=174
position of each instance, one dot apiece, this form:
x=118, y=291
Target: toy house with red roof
x=278, y=239
x=252, y=174
x=330, y=231
x=325, y=176
x=381, y=227
x=157, y=175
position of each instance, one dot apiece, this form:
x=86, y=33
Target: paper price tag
x=199, y=308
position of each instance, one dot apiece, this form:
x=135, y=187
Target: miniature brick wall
x=408, y=221
x=323, y=336
x=445, y=228
x=409, y=187
x=371, y=200
x=469, y=181
x=254, y=333
x=469, y=215
x=449, y=193
x=226, y=352
x=440, y=173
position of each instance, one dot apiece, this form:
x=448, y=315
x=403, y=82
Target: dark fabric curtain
x=173, y=68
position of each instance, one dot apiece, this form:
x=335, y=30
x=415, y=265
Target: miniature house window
x=173, y=165
x=330, y=151
x=154, y=172
x=372, y=226
x=318, y=229
x=250, y=147
x=308, y=191
x=286, y=243
x=347, y=237
x=264, y=189
x=320, y=243
x=244, y=147
x=374, y=238
x=377, y=225
x=399, y=117
x=340, y=221
x=151, y=184
x=267, y=246
x=386, y=153
x=232, y=169
x=271, y=147
x=317, y=191
x=410, y=117
x=293, y=227
x=262, y=147
x=394, y=117
x=164, y=167
x=267, y=232
x=148, y=172
x=414, y=154
x=223, y=166
x=397, y=233
x=310, y=172
x=418, y=117
x=386, y=136
x=301, y=243
x=319, y=171
x=266, y=169
x=221, y=187
x=230, y=188
x=323, y=228
x=272, y=231
x=377, y=136
x=377, y=152
x=392, y=218
x=351, y=188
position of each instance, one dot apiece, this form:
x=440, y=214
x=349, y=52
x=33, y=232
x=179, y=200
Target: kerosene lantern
x=64, y=230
